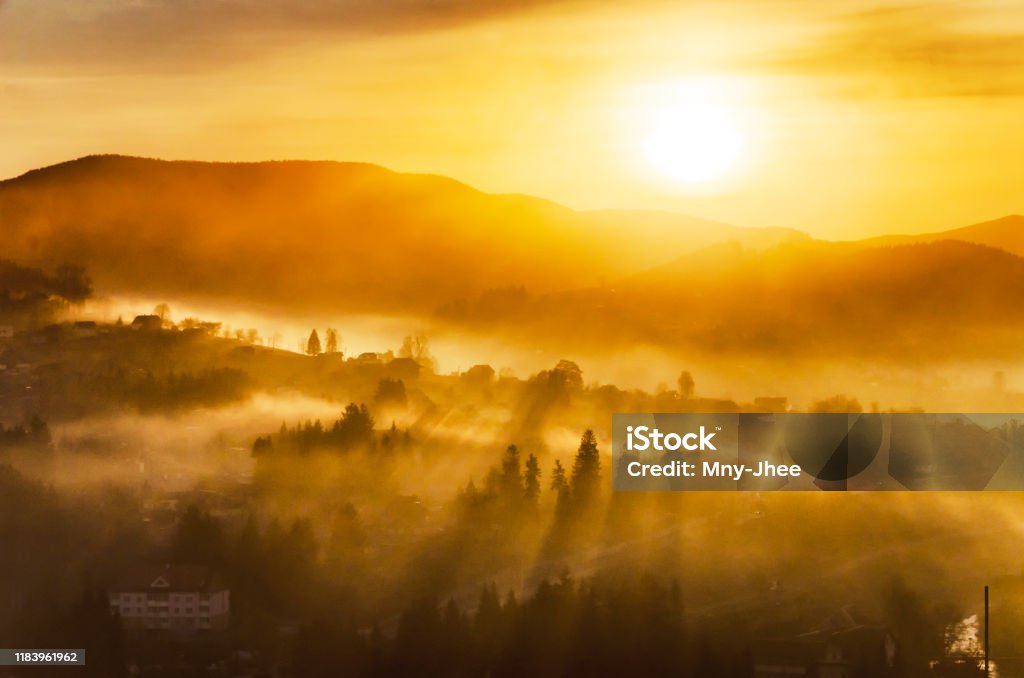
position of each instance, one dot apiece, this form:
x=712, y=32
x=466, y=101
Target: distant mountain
x=343, y=236
x=929, y=299
x=653, y=231
x=924, y=301
x=1006, y=233
x=348, y=237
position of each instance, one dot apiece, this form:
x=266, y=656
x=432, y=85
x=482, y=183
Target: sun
x=691, y=136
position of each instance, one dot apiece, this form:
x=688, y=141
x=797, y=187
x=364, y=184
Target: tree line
x=35, y=432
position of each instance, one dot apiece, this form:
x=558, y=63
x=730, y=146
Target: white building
x=173, y=597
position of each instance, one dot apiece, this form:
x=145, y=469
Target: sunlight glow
x=693, y=137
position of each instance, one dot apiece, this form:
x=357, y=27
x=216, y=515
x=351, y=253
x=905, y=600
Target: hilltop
x=343, y=238
x=323, y=235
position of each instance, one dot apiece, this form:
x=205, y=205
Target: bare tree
x=164, y=312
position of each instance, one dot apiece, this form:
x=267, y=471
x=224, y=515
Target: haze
x=858, y=118
x=333, y=303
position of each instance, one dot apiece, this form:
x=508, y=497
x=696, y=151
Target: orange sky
x=857, y=118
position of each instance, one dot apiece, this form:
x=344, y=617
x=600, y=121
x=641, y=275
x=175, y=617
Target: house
x=403, y=368
x=84, y=328
x=845, y=646
x=147, y=323
x=478, y=375
x=172, y=598
x=771, y=404
x=864, y=652
x=368, y=358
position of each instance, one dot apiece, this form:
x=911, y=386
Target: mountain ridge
x=374, y=237
x=1006, y=232
x=340, y=238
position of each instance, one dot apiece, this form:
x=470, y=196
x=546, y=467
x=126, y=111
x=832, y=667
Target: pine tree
x=199, y=539
x=560, y=486
x=531, y=480
x=511, y=476
x=558, y=481
x=586, y=470
x=332, y=340
x=313, y=345
x=686, y=385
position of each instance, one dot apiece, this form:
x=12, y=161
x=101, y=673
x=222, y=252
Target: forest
x=373, y=516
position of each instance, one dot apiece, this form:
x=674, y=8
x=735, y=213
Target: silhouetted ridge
x=319, y=234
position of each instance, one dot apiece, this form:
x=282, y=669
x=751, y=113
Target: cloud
x=918, y=50
x=141, y=33
x=959, y=49
x=166, y=15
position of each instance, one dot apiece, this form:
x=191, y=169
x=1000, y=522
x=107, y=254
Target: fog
x=362, y=513
x=943, y=385
x=416, y=481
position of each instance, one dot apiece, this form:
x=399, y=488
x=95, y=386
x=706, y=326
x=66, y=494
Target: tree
x=586, y=469
x=36, y=296
x=39, y=431
x=73, y=283
x=560, y=486
x=557, y=385
x=199, y=539
x=558, y=482
x=511, y=476
x=93, y=625
x=391, y=392
x=531, y=480
x=837, y=404
x=921, y=634
x=164, y=312
x=332, y=340
x=570, y=374
x=313, y=344
x=262, y=446
x=417, y=640
x=418, y=348
x=209, y=327
x=488, y=627
x=686, y=385
x=355, y=426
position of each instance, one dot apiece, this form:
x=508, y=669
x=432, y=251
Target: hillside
x=341, y=236
x=357, y=238
x=1005, y=233
x=936, y=299
x=918, y=301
